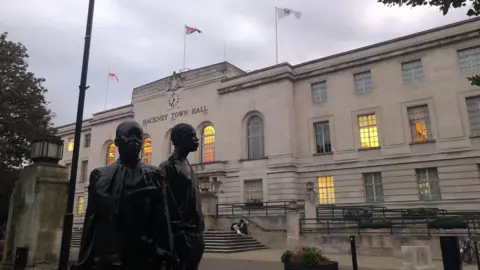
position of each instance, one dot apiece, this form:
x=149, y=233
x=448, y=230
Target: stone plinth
x=417, y=258
x=209, y=208
x=37, y=208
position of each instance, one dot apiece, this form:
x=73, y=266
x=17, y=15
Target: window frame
x=473, y=132
x=70, y=144
x=405, y=69
x=209, y=146
x=427, y=120
x=376, y=198
x=146, y=155
x=437, y=180
x=316, y=134
x=247, y=191
x=472, y=68
x=363, y=82
x=323, y=92
x=83, y=171
x=328, y=189
x=80, y=205
x=87, y=140
x=255, y=154
x=110, y=160
x=368, y=127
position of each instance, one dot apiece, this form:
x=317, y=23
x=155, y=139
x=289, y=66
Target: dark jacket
x=127, y=218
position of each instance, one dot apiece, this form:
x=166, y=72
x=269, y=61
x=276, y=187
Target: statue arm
x=88, y=224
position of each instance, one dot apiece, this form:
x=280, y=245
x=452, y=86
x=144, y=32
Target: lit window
x=412, y=72
x=319, y=92
x=428, y=184
x=208, y=144
x=322, y=138
x=473, y=107
x=469, y=59
x=80, y=205
x=419, y=120
x=363, y=82
x=253, y=191
x=326, y=190
x=373, y=187
x=147, y=150
x=368, y=131
x=255, y=136
x=110, y=158
x=70, y=145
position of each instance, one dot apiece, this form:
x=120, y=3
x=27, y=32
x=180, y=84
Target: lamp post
x=68, y=219
x=47, y=149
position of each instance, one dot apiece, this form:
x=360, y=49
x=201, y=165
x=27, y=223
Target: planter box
x=356, y=217
x=386, y=225
x=447, y=225
x=420, y=216
x=328, y=265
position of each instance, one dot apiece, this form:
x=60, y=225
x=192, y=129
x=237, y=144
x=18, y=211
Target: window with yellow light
x=80, y=204
x=70, y=145
x=326, y=190
x=368, y=131
x=208, y=144
x=110, y=154
x=147, y=150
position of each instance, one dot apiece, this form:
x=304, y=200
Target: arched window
x=147, y=150
x=110, y=158
x=208, y=144
x=256, y=148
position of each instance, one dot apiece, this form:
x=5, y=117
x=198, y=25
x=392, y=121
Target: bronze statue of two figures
x=140, y=216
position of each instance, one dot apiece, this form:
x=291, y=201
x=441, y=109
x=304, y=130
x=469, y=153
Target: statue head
x=184, y=137
x=128, y=139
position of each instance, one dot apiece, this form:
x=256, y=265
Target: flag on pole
x=113, y=76
x=284, y=12
x=190, y=30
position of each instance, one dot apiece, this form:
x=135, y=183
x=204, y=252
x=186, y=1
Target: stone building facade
x=395, y=124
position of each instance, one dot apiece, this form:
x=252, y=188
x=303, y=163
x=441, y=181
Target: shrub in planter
x=375, y=224
x=419, y=213
x=307, y=259
x=448, y=222
x=357, y=215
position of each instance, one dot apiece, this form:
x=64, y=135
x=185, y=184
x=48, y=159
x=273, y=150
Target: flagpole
x=106, y=90
x=225, y=52
x=276, y=34
x=184, y=44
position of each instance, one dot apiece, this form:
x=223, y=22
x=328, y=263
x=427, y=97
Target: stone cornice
x=250, y=84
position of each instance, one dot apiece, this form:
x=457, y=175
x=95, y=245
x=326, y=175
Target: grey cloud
x=142, y=40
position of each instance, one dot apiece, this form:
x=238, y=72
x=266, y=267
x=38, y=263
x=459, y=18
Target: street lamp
x=47, y=149
x=68, y=219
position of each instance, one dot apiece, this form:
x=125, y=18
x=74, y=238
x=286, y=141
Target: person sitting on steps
x=236, y=228
x=243, y=227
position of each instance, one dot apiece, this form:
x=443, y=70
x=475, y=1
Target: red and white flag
x=113, y=76
x=190, y=30
x=284, y=12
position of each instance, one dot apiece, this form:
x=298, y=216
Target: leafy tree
x=444, y=6
x=23, y=111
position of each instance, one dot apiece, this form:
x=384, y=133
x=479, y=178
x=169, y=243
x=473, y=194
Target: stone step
x=230, y=240
x=230, y=245
x=233, y=250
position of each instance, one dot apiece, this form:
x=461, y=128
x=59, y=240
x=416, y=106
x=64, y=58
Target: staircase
x=229, y=242
x=215, y=242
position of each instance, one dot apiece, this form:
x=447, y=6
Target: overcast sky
x=142, y=40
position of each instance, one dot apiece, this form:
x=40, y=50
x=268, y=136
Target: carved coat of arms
x=175, y=82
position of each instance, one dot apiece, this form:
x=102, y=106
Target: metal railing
x=271, y=208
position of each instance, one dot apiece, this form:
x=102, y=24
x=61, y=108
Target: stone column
x=37, y=208
x=209, y=208
x=293, y=226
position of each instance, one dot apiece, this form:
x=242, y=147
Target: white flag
x=284, y=12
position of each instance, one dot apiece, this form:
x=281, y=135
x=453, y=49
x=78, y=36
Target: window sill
x=248, y=159
x=212, y=162
x=474, y=136
x=322, y=154
x=368, y=149
x=424, y=142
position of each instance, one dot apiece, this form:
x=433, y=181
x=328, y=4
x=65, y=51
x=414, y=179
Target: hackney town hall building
x=395, y=124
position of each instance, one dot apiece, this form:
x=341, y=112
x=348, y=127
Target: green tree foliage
x=23, y=113
x=444, y=6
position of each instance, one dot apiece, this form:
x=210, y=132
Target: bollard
x=353, y=251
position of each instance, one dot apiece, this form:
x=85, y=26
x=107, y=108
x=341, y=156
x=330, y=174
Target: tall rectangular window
x=368, y=131
x=322, y=137
x=68, y=169
x=253, y=191
x=88, y=138
x=70, y=145
x=363, y=82
x=412, y=72
x=419, y=120
x=80, y=204
x=319, y=92
x=428, y=184
x=469, y=59
x=84, y=171
x=373, y=187
x=473, y=107
x=326, y=190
